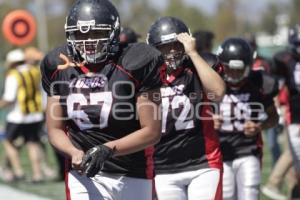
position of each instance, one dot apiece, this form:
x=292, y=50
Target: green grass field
x=55, y=190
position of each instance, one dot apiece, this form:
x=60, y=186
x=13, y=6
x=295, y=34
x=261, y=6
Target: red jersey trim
x=136, y=82
x=259, y=144
x=149, y=162
x=219, y=192
x=67, y=188
x=211, y=139
x=54, y=74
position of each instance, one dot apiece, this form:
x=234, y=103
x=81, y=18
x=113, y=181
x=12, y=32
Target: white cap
x=16, y=55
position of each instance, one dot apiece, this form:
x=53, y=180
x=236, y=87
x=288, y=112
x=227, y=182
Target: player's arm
x=148, y=135
x=56, y=132
x=251, y=128
x=10, y=91
x=212, y=82
x=272, y=118
x=4, y=103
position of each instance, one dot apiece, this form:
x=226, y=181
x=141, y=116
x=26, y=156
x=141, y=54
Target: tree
x=295, y=15
x=140, y=16
x=268, y=23
x=193, y=17
x=226, y=22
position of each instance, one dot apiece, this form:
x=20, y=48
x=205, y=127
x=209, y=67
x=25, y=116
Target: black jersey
x=101, y=106
x=188, y=141
x=287, y=65
x=238, y=106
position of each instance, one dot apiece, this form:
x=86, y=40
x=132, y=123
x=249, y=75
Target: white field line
x=7, y=192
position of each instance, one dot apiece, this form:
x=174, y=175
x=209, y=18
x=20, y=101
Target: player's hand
x=251, y=128
x=188, y=42
x=67, y=62
x=218, y=120
x=94, y=159
x=76, y=159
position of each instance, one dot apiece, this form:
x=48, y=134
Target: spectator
x=22, y=95
x=261, y=63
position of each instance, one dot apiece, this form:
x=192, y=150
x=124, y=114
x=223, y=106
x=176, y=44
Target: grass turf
x=55, y=190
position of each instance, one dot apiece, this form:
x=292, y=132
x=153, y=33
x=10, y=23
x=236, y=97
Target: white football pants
x=203, y=184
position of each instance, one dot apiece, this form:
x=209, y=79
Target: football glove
x=94, y=159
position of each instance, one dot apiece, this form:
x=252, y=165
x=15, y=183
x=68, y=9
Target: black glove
x=94, y=159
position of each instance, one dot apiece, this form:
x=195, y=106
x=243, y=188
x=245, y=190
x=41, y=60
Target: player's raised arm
x=212, y=82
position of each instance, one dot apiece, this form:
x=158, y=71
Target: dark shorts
x=30, y=132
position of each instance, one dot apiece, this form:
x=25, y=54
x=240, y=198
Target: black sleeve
x=50, y=74
x=280, y=61
x=259, y=84
x=144, y=63
x=267, y=84
x=214, y=62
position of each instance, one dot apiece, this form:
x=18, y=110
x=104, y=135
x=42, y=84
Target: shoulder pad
x=52, y=60
x=270, y=85
x=283, y=56
x=49, y=68
x=138, y=55
x=256, y=77
x=210, y=58
x=265, y=82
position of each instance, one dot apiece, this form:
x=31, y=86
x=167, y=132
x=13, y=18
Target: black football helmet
x=236, y=55
x=92, y=30
x=128, y=35
x=294, y=38
x=163, y=35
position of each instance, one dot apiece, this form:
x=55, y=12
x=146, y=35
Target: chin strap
x=169, y=78
x=236, y=86
x=169, y=74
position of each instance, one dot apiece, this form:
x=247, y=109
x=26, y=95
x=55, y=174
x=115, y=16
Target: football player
x=246, y=109
x=287, y=68
x=188, y=163
x=287, y=65
x=101, y=109
x=128, y=35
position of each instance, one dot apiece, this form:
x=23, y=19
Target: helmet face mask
x=92, y=33
x=173, y=53
x=91, y=46
x=235, y=71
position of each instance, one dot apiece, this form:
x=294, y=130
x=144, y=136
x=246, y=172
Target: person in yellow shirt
x=25, y=117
